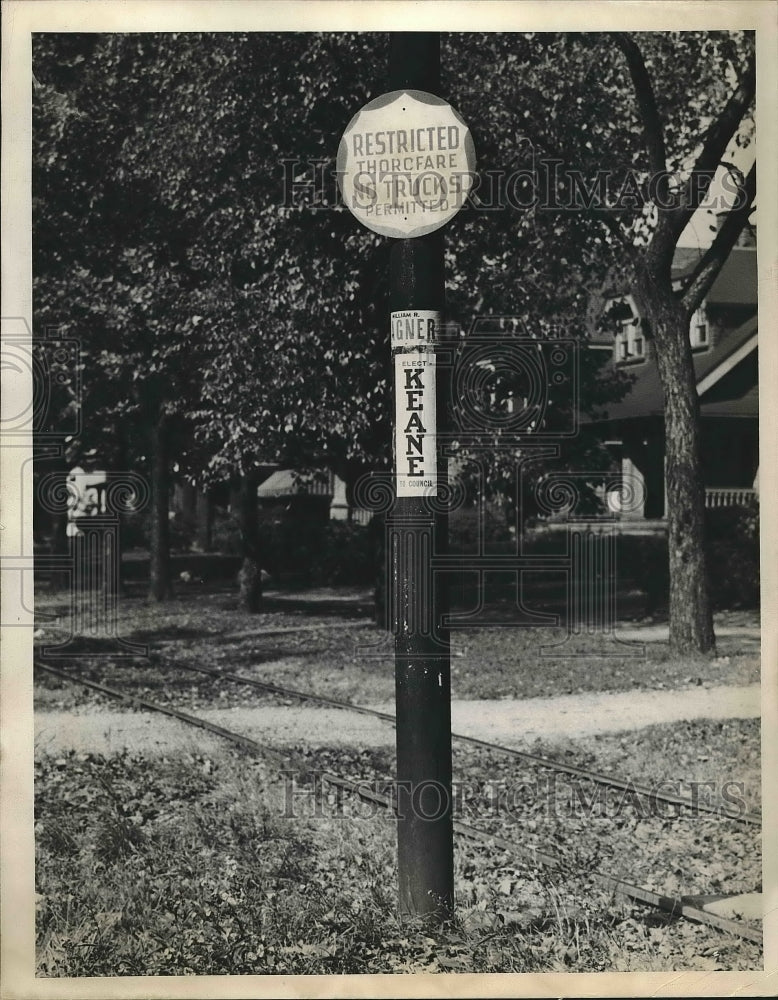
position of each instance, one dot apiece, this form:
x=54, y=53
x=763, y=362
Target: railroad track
x=654, y=796
x=674, y=906
x=596, y=777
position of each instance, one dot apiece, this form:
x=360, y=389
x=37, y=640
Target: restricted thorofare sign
x=406, y=164
x=413, y=346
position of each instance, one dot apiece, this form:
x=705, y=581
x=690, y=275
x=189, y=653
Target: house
x=86, y=497
x=724, y=340
x=318, y=496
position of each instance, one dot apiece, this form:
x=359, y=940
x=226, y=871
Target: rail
x=730, y=496
x=677, y=907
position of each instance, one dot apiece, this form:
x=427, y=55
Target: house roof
x=287, y=482
x=646, y=398
x=736, y=283
x=746, y=406
x=279, y=484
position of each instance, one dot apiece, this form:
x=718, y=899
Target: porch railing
x=729, y=497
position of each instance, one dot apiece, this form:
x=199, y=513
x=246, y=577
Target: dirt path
x=511, y=723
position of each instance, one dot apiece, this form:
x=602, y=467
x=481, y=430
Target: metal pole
x=422, y=656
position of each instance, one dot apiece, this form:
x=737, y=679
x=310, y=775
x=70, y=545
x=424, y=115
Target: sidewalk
x=572, y=716
x=661, y=633
x=511, y=723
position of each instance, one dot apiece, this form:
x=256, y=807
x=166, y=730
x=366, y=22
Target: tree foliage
x=209, y=274
x=188, y=230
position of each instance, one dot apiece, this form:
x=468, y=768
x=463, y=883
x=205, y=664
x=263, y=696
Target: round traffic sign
x=406, y=164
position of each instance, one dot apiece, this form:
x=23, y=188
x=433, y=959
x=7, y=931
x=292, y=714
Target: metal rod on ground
x=613, y=781
x=422, y=654
x=677, y=907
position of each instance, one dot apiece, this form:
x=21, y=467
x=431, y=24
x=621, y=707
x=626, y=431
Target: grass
x=334, y=659
x=656, y=844
x=185, y=863
x=187, y=866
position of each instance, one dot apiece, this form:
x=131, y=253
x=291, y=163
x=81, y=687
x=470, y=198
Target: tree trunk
x=691, y=619
x=204, y=518
x=188, y=494
x=61, y=579
x=159, y=570
x=122, y=465
x=49, y=513
x=377, y=538
x=250, y=576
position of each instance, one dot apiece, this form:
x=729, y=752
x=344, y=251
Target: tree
x=670, y=310
x=162, y=240
x=672, y=105
x=207, y=286
x=250, y=576
x=109, y=261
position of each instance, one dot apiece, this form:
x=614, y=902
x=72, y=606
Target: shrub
x=182, y=530
x=288, y=549
x=302, y=552
x=225, y=533
x=136, y=531
x=642, y=561
x=732, y=546
x=732, y=542
x=465, y=527
x=346, y=556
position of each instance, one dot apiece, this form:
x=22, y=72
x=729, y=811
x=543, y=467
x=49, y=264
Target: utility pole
x=405, y=166
x=421, y=648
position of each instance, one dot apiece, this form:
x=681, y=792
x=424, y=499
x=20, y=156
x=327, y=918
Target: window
x=635, y=339
x=698, y=331
x=630, y=343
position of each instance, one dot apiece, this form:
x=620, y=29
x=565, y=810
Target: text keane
x=414, y=429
